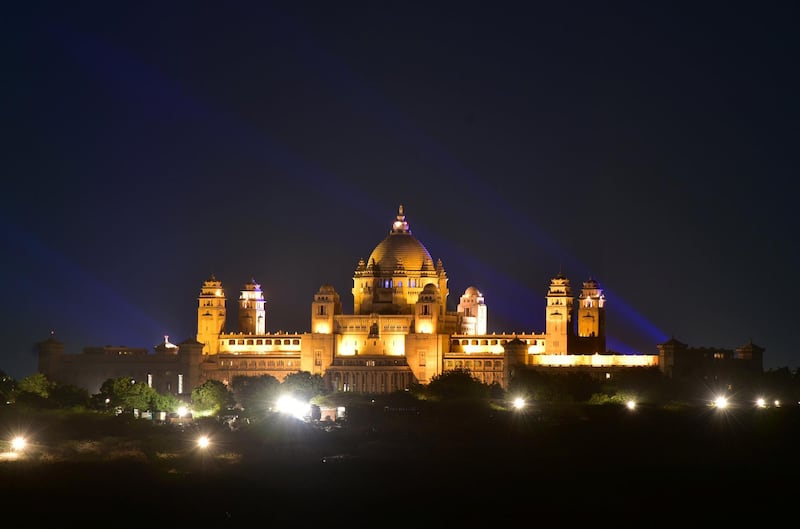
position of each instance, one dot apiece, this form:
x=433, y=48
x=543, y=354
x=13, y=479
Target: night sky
x=649, y=145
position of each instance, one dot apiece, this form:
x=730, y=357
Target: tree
x=255, y=393
x=165, y=402
x=33, y=391
x=457, y=384
x=8, y=387
x=304, y=385
x=69, y=396
x=123, y=394
x=38, y=384
x=211, y=397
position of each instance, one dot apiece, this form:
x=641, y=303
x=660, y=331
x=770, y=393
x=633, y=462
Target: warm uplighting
x=424, y=327
x=631, y=404
x=321, y=327
x=519, y=403
x=292, y=406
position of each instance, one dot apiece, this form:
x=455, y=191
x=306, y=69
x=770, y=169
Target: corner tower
x=210, y=315
x=252, y=314
x=559, y=333
x=472, y=310
x=591, y=319
x=326, y=305
x=397, y=271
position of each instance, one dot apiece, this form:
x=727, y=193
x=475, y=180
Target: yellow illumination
x=425, y=327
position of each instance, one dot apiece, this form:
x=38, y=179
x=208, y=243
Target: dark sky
x=650, y=145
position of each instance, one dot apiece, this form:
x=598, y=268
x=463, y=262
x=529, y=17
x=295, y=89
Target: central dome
x=401, y=247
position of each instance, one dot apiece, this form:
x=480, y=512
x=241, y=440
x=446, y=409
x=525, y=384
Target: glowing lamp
x=18, y=444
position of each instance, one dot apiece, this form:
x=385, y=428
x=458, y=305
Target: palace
x=400, y=333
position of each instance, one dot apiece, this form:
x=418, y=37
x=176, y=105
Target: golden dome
x=400, y=247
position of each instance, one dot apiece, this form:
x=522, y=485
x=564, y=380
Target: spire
x=400, y=225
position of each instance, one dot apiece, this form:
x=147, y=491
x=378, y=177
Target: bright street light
x=721, y=402
x=18, y=444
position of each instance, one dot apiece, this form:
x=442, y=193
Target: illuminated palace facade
x=400, y=331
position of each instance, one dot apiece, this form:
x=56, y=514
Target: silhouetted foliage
x=255, y=394
x=641, y=384
x=457, y=383
x=33, y=400
x=68, y=396
x=496, y=391
x=7, y=387
x=548, y=387
x=778, y=384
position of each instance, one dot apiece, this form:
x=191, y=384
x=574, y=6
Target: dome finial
x=400, y=225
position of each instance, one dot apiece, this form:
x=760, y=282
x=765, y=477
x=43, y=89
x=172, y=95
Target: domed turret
x=326, y=290
x=472, y=312
x=472, y=292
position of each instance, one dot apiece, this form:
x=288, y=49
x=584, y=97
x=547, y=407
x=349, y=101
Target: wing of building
x=400, y=333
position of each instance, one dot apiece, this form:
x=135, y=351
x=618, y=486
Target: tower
x=210, y=315
x=472, y=309
x=51, y=351
x=591, y=319
x=252, y=316
x=326, y=305
x=428, y=310
x=559, y=333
